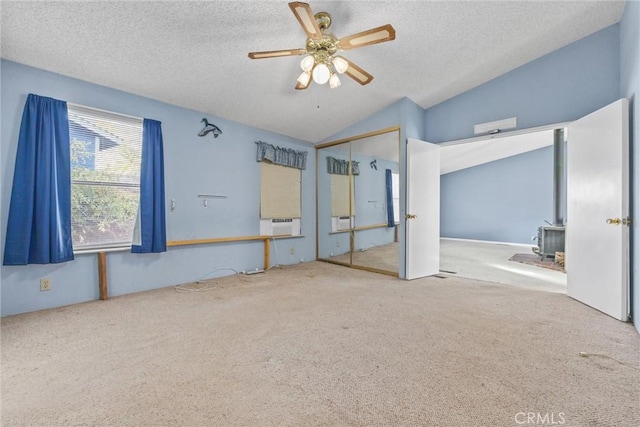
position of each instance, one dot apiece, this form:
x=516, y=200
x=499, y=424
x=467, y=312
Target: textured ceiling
x=194, y=54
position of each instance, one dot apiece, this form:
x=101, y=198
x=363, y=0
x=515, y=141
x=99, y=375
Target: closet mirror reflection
x=358, y=201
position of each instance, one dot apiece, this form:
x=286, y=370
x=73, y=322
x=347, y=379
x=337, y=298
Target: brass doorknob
x=410, y=216
x=614, y=221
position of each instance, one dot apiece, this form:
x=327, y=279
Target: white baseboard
x=490, y=242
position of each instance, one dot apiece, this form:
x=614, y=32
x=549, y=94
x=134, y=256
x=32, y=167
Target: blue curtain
x=39, y=226
x=390, y=219
x=153, y=233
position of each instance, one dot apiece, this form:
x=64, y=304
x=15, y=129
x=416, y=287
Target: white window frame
x=110, y=123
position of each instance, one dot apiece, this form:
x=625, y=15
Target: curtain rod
x=73, y=104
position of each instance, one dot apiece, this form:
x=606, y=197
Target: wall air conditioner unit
x=280, y=226
x=341, y=223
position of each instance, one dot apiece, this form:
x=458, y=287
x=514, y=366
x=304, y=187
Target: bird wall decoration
x=209, y=128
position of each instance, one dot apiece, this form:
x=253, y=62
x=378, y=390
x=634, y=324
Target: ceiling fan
x=321, y=62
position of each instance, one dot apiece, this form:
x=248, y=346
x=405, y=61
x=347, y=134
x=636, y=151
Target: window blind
x=106, y=153
x=340, y=195
x=279, y=191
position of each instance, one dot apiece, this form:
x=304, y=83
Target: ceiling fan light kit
x=321, y=73
x=334, y=81
x=305, y=78
x=340, y=64
x=321, y=62
x=307, y=63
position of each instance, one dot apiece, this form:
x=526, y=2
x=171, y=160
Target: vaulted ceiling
x=194, y=53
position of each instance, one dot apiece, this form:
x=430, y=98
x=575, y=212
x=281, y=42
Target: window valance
x=281, y=156
x=341, y=167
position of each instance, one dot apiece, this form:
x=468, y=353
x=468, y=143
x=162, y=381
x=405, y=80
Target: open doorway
x=496, y=194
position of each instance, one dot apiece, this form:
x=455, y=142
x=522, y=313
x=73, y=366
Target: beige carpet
x=321, y=344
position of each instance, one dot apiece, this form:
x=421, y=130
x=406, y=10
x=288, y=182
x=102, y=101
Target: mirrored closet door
x=358, y=201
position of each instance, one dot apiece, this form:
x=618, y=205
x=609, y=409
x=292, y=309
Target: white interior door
x=422, y=219
x=597, y=236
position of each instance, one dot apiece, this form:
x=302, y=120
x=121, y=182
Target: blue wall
x=370, y=189
x=403, y=113
x=561, y=86
x=630, y=88
x=371, y=204
x=511, y=198
x=193, y=165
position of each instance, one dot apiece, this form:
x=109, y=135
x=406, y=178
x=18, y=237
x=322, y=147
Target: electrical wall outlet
x=45, y=284
x=292, y=250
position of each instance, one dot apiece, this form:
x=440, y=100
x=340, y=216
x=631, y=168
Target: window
x=342, y=211
x=395, y=185
x=279, y=199
x=106, y=153
x=340, y=205
x=279, y=191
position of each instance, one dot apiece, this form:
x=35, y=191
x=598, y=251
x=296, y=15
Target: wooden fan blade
x=375, y=35
x=358, y=74
x=307, y=20
x=276, y=53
